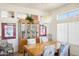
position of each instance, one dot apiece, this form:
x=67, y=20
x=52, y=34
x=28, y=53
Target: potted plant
x=29, y=18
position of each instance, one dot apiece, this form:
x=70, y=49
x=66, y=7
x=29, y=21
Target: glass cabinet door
x=23, y=31
x=31, y=31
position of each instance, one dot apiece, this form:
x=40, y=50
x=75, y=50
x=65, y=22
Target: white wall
x=52, y=26
x=74, y=33
x=45, y=20
x=12, y=41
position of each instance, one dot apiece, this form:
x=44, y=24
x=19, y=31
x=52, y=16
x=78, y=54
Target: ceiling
x=45, y=7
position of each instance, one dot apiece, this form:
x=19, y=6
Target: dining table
x=38, y=48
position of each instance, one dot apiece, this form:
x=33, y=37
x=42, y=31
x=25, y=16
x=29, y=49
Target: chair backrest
x=43, y=39
x=64, y=50
x=3, y=43
x=31, y=41
x=49, y=51
x=58, y=45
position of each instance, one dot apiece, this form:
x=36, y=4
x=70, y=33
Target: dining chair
x=6, y=48
x=49, y=51
x=31, y=41
x=43, y=39
x=64, y=50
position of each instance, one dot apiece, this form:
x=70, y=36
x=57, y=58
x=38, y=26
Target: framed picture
x=8, y=30
x=43, y=30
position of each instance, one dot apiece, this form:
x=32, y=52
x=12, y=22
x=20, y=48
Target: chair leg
x=69, y=51
x=24, y=52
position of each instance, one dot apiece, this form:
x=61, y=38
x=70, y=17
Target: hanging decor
x=8, y=30
x=43, y=30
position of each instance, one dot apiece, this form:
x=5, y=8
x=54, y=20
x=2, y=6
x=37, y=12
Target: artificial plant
x=29, y=18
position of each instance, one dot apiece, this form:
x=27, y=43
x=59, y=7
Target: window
x=69, y=14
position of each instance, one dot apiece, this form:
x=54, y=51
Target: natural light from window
x=64, y=16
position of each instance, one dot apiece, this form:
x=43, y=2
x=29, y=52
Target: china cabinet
x=27, y=31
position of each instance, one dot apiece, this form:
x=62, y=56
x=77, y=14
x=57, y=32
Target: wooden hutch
x=25, y=31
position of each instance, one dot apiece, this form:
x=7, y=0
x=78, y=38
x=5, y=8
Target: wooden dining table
x=38, y=49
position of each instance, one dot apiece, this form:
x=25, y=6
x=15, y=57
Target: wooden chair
x=21, y=45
